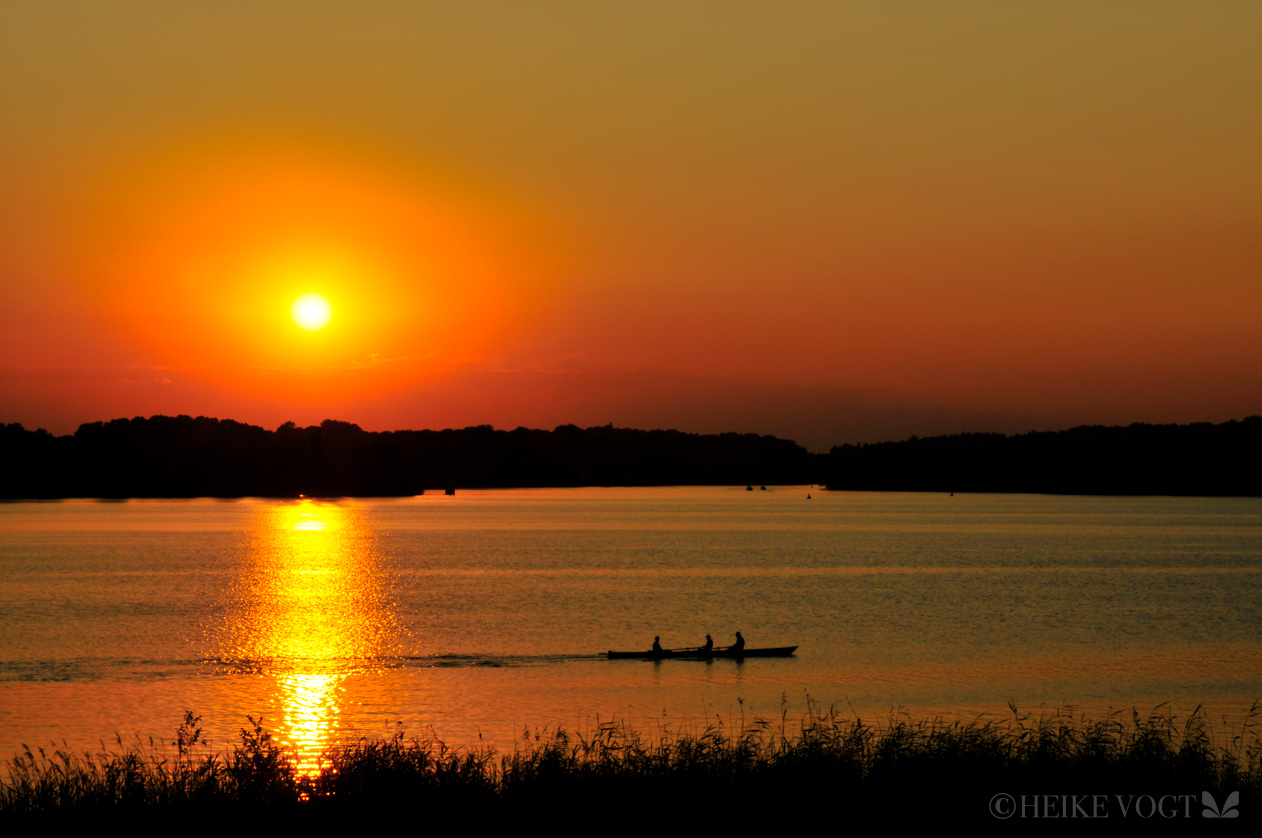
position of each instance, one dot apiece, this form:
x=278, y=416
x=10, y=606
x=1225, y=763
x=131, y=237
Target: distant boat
x=763, y=488
x=699, y=654
x=450, y=491
x=749, y=488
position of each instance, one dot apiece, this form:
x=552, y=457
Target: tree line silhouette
x=182, y=456
x=1197, y=459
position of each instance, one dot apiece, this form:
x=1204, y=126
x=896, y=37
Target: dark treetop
x=181, y=456
x=185, y=457
x=1200, y=459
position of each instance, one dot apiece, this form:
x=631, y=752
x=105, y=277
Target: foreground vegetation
x=897, y=771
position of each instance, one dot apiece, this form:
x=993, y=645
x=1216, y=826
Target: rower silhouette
x=657, y=645
x=709, y=645
x=739, y=645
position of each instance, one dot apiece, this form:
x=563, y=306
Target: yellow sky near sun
x=199, y=256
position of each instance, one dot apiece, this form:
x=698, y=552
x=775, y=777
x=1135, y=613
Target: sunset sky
x=832, y=222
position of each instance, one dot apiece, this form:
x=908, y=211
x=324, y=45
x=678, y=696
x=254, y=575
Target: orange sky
x=832, y=222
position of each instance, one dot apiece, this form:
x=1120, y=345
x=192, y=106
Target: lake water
x=479, y=616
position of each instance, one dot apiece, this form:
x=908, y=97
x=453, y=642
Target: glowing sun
x=311, y=312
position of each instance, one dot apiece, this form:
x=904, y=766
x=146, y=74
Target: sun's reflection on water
x=311, y=711
x=312, y=606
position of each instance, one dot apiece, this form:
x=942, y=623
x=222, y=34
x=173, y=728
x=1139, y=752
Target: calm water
x=485, y=614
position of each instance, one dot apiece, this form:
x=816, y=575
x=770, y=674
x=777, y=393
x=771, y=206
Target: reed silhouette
x=731, y=773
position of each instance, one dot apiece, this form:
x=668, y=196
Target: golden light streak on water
x=311, y=715
x=311, y=607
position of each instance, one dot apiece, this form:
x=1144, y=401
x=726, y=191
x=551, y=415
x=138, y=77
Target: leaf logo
x=1211, y=809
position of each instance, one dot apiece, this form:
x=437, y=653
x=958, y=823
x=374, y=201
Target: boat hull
x=699, y=655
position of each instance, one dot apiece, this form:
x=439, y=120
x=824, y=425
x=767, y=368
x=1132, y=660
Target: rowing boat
x=701, y=654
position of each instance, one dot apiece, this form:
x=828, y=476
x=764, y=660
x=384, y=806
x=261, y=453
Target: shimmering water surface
x=485, y=614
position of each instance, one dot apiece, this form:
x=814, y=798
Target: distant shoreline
x=1200, y=460
x=184, y=457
